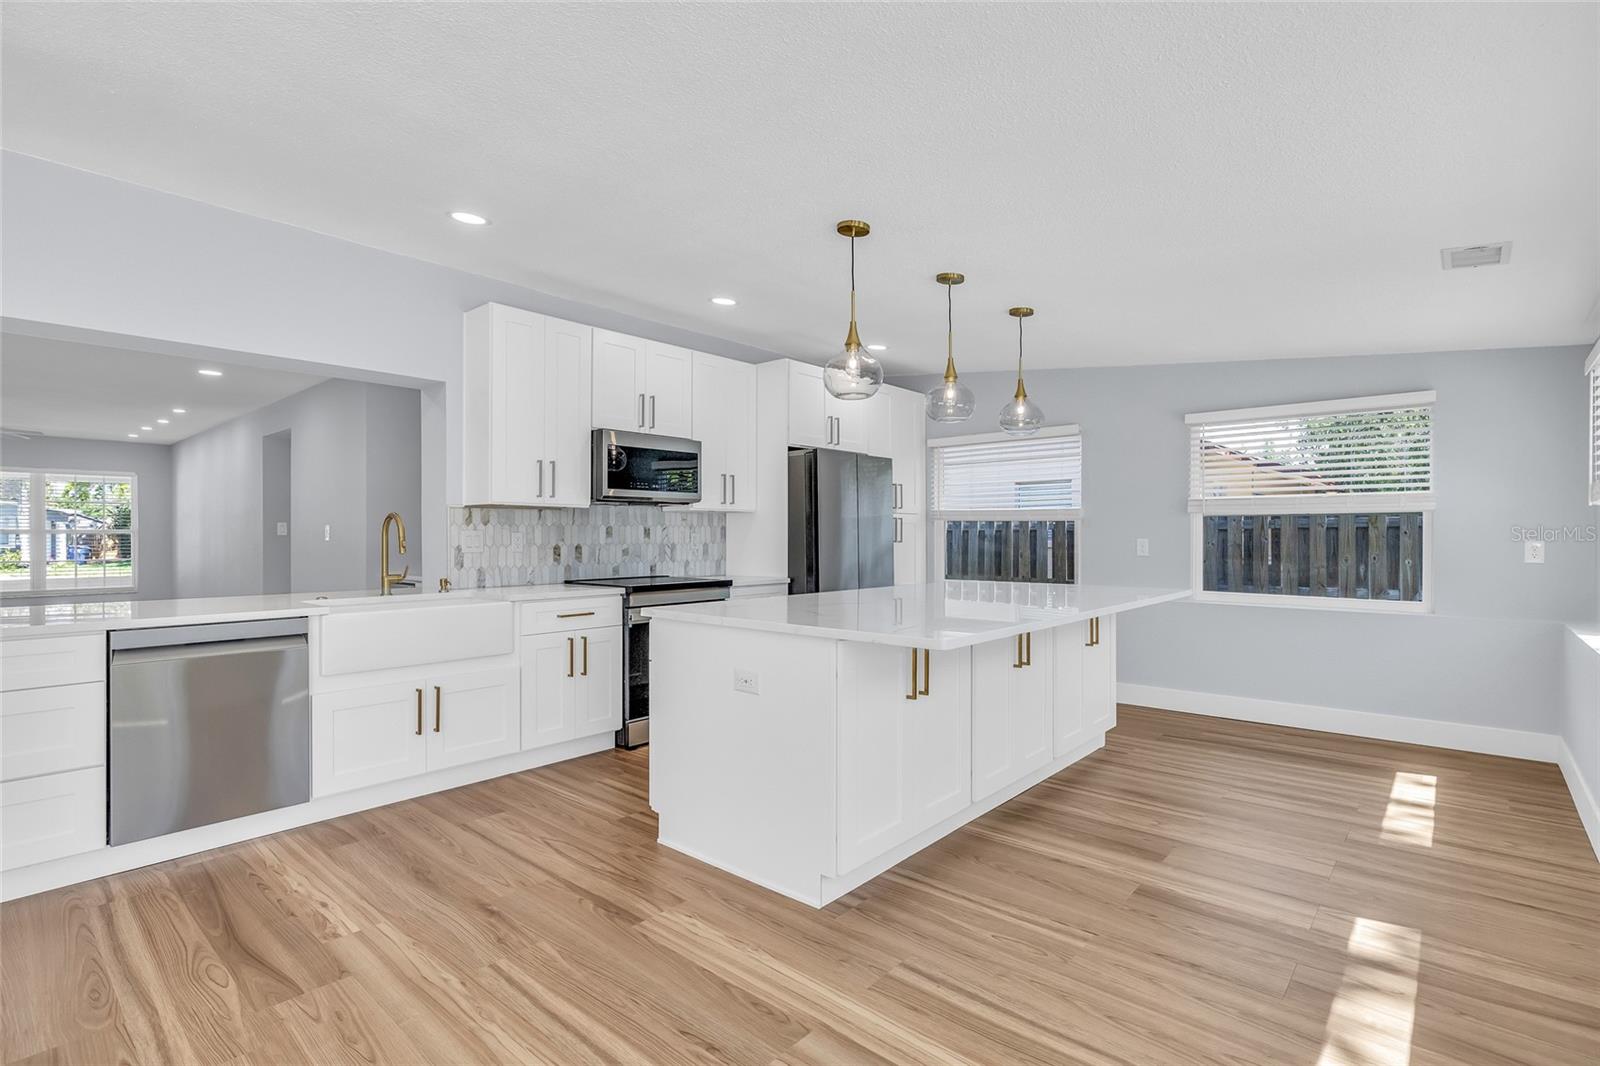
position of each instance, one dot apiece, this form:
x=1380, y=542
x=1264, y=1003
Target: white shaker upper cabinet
x=725, y=425
x=642, y=385
x=908, y=449
x=819, y=420
x=525, y=402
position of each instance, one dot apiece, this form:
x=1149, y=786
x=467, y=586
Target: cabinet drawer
x=560, y=616
x=768, y=588
x=40, y=661
x=51, y=817
x=45, y=730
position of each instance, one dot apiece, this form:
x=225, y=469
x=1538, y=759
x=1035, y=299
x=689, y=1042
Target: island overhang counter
x=808, y=743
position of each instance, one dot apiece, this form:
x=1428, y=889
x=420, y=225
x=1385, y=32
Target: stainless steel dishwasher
x=208, y=722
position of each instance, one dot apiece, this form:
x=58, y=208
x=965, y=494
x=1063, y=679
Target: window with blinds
x=63, y=532
x=1591, y=370
x=1315, y=502
x=1007, y=508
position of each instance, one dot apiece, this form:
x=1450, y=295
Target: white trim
x=44, y=876
x=991, y=438
x=1582, y=795
x=1460, y=736
x=1318, y=407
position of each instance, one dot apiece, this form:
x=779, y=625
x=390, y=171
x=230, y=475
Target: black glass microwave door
x=647, y=469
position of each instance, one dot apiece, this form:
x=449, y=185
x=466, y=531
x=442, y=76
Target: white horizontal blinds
x=1339, y=455
x=1036, y=474
x=1591, y=369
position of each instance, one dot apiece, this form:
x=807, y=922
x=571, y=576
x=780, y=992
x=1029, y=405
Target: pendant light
x=853, y=374
x=1021, y=417
x=950, y=401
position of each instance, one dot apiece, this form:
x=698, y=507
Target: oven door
x=644, y=468
x=636, y=656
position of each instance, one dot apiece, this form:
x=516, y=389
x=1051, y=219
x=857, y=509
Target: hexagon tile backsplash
x=494, y=546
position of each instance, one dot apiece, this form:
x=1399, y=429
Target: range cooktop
x=655, y=582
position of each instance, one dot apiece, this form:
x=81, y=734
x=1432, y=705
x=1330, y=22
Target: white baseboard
x=1582, y=796
x=1487, y=740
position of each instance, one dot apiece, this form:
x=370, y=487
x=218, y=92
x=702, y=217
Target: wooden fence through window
x=1040, y=551
x=1354, y=556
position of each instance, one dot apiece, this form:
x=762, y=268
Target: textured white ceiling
x=66, y=389
x=1162, y=182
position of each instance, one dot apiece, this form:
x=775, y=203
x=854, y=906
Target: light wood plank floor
x=1199, y=891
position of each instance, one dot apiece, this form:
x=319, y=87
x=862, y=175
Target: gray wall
x=153, y=500
x=341, y=432
x=1509, y=449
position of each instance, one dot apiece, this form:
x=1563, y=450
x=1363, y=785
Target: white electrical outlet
x=1141, y=546
x=745, y=681
x=283, y=529
x=327, y=532
x=1533, y=551
x=472, y=540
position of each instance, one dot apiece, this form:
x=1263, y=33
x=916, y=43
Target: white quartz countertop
x=940, y=616
x=25, y=618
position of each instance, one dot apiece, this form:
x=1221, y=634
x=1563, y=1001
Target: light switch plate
x=283, y=529
x=745, y=681
x=1141, y=546
x=1533, y=551
x=327, y=532
x=472, y=540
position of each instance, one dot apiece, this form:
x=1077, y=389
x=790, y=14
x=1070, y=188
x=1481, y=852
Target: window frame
x=938, y=520
x=1330, y=503
x=37, y=530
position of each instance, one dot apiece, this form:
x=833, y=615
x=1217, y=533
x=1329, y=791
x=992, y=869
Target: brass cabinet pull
x=585, y=655
x=1016, y=664
x=1027, y=642
x=438, y=708
x=575, y=614
x=913, y=693
x=1094, y=633
x=570, y=645
x=419, y=712
x=927, y=672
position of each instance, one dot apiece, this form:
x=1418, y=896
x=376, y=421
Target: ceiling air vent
x=1477, y=255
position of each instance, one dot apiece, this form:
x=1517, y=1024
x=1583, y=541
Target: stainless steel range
x=637, y=594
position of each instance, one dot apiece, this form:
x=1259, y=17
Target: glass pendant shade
x=1021, y=417
x=950, y=401
x=853, y=374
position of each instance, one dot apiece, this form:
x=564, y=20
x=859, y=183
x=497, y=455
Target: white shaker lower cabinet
x=475, y=716
x=52, y=816
x=1013, y=720
x=571, y=685
x=904, y=764
x=369, y=735
x=1085, y=681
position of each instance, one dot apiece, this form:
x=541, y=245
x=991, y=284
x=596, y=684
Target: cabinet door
x=618, y=392
x=712, y=406
x=565, y=407
x=52, y=816
x=1012, y=711
x=599, y=681
x=549, y=695
x=910, y=550
x=904, y=764
x=367, y=736
x=1071, y=726
x=1100, y=679
x=472, y=717
x=738, y=434
x=908, y=449
x=851, y=419
x=809, y=424
x=668, y=384
x=517, y=437
x=877, y=417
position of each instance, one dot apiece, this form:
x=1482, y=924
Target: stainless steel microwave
x=632, y=467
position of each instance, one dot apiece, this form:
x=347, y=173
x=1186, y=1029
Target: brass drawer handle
x=927, y=673
x=1016, y=664
x=569, y=656
x=913, y=693
x=585, y=655
x=1027, y=643
x=438, y=707
x=419, y=712
x=576, y=614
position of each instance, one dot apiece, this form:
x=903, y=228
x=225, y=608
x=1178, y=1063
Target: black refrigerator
x=841, y=521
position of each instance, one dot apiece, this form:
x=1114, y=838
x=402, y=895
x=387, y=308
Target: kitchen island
x=808, y=743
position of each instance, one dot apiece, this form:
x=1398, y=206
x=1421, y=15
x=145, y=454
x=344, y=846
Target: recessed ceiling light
x=162, y=421
x=877, y=347
x=134, y=435
x=467, y=218
x=148, y=429
x=210, y=373
x=724, y=301
x=179, y=411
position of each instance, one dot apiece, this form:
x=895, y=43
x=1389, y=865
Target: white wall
x=88, y=253
x=355, y=454
x=152, y=463
x=1509, y=449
